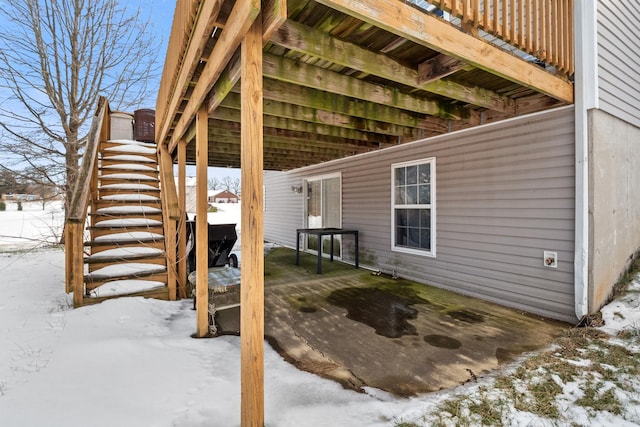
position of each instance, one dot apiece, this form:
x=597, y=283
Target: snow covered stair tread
x=127, y=222
x=134, y=236
x=129, y=166
x=127, y=209
x=125, y=287
x=128, y=176
x=128, y=186
x=128, y=158
x=124, y=272
x=126, y=252
x=130, y=196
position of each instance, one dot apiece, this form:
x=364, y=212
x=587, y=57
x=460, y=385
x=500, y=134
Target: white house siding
x=619, y=59
x=504, y=194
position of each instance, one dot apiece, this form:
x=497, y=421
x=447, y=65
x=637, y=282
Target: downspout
x=586, y=98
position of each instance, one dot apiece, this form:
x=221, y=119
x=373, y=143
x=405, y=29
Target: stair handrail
x=77, y=213
x=80, y=198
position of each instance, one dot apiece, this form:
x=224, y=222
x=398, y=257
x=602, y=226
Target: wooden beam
x=311, y=98
x=241, y=18
x=301, y=38
x=202, y=228
x=201, y=33
x=422, y=28
x=270, y=121
x=274, y=14
x=438, y=67
x=224, y=136
x=299, y=73
x=182, y=222
x=252, y=242
x=411, y=126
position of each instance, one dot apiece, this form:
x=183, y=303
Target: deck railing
x=183, y=24
x=541, y=28
x=86, y=187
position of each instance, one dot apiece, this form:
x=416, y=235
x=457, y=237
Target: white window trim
x=394, y=248
x=304, y=205
x=305, y=195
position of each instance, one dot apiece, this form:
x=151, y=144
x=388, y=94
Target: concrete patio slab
x=367, y=330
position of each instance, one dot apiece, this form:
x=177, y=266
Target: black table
x=324, y=232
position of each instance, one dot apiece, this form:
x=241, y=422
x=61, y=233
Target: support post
x=252, y=272
x=166, y=179
x=182, y=222
x=202, y=228
x=77, y=262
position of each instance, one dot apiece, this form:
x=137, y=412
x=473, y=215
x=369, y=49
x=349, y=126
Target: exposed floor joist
x=420, y=27
x=301, y=38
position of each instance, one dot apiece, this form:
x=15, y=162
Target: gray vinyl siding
x=619, y=59
x=504, y=194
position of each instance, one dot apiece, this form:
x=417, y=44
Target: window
x=413, y=207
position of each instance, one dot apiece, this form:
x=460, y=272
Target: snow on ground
x=133, y=362
x=32, y=226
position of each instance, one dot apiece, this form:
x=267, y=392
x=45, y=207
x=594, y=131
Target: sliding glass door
x=323, y=210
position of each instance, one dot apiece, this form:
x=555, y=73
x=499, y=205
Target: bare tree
x=227, y=182
x=235, y=186
x=214, y=183
x=56, y=57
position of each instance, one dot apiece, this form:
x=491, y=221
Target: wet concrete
x=395, y=335
x=385, y=312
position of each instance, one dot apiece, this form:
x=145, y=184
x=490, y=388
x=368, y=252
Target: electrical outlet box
x=550, y=259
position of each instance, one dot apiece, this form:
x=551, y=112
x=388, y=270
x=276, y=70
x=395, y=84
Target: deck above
x=342, y=77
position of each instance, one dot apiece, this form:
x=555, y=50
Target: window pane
x=425, y=194
x=425, y=218
x=401, y=217
x=425, y=173
x=425, y=239
x=399, y=195
x=401, y=236
x=414, y=217
x=400, y=176
x=412, y=195
x=413, y=237
x=412, y=174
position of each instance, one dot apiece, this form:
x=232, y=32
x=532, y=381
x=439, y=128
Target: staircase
x=121, y=223
x=126, y=247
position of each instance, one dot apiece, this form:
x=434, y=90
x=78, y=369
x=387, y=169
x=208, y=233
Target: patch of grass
x=489, y=411
x=481, y=409
x=212, y=209
x=594, y=398
x=631, y=334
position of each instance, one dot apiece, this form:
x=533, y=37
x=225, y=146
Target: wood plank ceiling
x=335, y=86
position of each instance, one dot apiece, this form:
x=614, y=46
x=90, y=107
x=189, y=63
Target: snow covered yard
x=132, y=362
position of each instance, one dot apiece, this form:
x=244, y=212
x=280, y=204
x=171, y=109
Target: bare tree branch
x=56, y=58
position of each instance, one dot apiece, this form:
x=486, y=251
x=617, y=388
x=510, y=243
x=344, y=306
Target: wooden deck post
x=77, y=262
x=252, y=244
x=202, y=228
x=166, y=169
x=182, y=222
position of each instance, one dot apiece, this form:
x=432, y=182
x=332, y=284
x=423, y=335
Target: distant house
x=224, y=197
x=20, y=197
